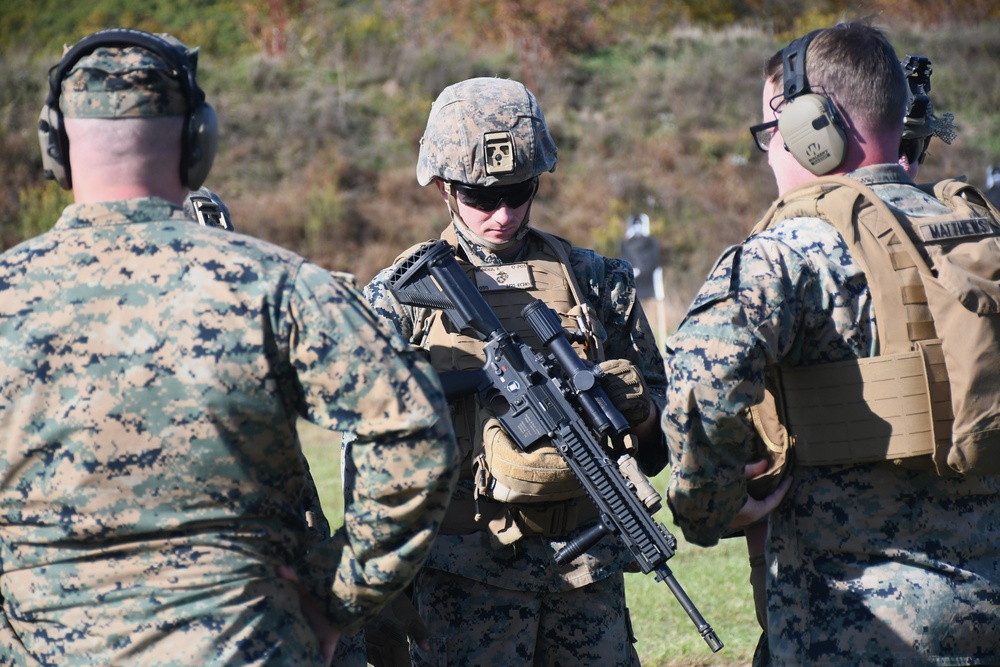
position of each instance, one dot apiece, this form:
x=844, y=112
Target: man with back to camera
x=491, y=593
x=920, y=125
x=883, y=543
x=153, y=372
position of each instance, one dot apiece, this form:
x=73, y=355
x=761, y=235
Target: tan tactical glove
x=626, y=389
x=771, y=443
x=386, y=635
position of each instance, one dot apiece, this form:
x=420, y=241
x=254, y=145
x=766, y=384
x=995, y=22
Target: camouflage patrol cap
x=122, y=82
x=485, y=131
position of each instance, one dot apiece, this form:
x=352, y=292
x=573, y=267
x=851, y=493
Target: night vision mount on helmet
x=920, y=124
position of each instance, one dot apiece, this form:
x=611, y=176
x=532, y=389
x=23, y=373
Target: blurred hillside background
x=322, y=104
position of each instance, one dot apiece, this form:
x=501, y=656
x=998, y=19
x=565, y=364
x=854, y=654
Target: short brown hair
x=857, y=68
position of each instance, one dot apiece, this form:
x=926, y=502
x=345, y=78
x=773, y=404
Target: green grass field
x=715, y=579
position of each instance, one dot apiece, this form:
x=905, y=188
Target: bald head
x=124, y=158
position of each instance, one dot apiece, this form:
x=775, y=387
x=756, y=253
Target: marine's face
x=497, y=225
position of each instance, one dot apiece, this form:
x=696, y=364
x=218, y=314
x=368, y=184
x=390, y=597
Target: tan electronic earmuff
x=809, y=123
x=199, y=138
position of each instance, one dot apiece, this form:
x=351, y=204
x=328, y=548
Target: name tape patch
x=955, y=229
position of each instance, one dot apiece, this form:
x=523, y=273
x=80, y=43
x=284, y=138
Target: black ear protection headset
x=199, y=138
x=809, y=123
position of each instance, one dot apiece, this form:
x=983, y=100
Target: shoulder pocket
x=719, y=284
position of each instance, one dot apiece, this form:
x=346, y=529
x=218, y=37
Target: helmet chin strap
x=476, y=238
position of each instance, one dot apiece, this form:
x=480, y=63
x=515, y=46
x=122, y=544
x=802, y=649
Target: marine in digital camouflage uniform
x=868, y=564
x=484, y=602
x=920, y=126
x=152, y=373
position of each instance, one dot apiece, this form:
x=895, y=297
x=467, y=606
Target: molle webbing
x=874, y=409
x=454, y=350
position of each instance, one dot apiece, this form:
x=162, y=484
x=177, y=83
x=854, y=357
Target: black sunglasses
x=490, y=198
x=762, y=134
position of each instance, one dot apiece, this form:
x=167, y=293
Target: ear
x=440, y=186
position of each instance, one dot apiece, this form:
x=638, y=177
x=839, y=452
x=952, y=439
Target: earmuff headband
x=793, y=59
x=812, y=129
x=199, y=135
x=121, y=37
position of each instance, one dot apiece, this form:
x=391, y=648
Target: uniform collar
x=477, y=254
x=119, y=212
x=881, y=174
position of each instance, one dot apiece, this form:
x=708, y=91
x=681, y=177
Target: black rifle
x=555, y=396
x=917, y=132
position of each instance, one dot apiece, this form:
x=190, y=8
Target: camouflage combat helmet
x=485, y=131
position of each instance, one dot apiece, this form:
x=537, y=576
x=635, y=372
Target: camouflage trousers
x=351, y=651
x=472, y=623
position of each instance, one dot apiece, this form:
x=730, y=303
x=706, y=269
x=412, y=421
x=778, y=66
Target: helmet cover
x=485, y=132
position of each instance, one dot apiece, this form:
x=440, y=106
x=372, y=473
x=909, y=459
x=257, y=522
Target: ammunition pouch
x=468, y=514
